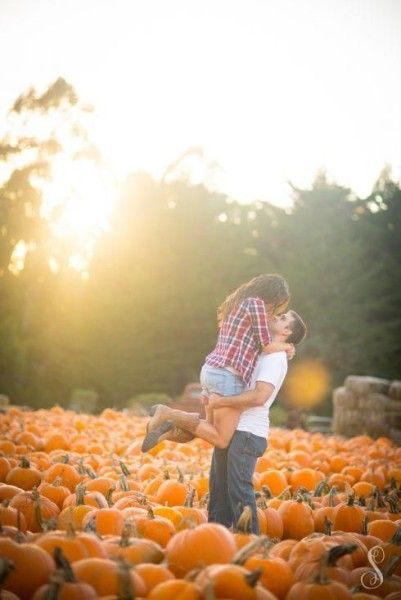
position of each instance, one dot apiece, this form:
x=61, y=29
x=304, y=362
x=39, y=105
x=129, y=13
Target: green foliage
x=146, y=317
x=147, y=400
x=84, y=401
x=278, y=416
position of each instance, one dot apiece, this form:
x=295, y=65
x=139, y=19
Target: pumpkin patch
x=83, y=514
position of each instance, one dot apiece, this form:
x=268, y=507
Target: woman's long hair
x=272, y=289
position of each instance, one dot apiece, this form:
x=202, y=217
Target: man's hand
x=214, y=400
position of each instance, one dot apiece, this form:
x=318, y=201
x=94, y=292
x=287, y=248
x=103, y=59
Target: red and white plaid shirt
x=242, y=336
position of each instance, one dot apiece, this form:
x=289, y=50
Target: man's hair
x=298, y=329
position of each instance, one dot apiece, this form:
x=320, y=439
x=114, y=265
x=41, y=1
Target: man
x=230, y=482
x=239, y=428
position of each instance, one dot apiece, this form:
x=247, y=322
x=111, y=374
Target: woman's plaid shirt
x=242, y=336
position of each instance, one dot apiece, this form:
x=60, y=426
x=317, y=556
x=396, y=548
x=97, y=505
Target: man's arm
x=256, y=397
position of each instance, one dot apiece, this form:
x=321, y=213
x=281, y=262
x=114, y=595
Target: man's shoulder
x=275, y=358
x=268, y=363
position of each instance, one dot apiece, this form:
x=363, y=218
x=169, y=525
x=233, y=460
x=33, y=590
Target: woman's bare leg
x=218, y=433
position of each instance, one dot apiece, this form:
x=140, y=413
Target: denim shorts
x=220, y=381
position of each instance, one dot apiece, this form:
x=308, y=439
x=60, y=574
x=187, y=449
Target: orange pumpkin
x=104, y=576
x=204, y=545
x=36, y=509
x=26, y=558
x=297, y=519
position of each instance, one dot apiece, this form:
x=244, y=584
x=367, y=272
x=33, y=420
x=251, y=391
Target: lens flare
x=307, y=384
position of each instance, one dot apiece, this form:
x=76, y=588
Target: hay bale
x=374, y=403
x=361, y=386
x=342, y=398
x=395, y=390
x=393, y=407
x=395, y=436
x=347, y=422
x=393, y=414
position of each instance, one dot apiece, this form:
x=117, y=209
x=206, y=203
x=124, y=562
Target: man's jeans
x=230, y=481
x=231, y=476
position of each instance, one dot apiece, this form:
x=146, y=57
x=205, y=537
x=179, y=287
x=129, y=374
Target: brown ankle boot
x=179, y=421
x=160, y=413
x=184, y=420
x=177, y=435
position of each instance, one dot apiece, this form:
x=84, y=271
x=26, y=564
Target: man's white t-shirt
x=270, y=368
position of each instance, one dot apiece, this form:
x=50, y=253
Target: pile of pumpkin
x=83, y=514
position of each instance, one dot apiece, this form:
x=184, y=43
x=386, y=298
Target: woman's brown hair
x=272, y=289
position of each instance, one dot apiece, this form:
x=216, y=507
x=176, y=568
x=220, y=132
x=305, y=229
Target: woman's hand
x=289, y=349
x=214, y=400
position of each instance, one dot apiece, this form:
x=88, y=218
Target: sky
x=272, y=90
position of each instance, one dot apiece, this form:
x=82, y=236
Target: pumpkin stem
x=321, y=577
x=123, y=483
x=332, y=495
x=65, y=459
x=379, y=498
x=351, y=499
x=327, y=526
x=70, y=530
x=268, y=545
x=25, y=464
x=90, y=527
x=261, y=503
x=38, y=512
x=80, y=494
x=208, y=591
x=285, y=494
x=124, y=469
x=306, y=496
x=242, y=555
x=322, y=488
x=151, y=514
x=124, y=581
x=189, y=500
x=90, y=472
x=334, y=554
x=244, y=523
x=362, y=501
x=391, y=566
x=6, y=566
x=180, y=475
x=393, y=504
x=125, y=535
x=109, y=496
x=396, y=539
x=267, y=492
x=365, y=526
x=166, y=474
x=98, y=502
x=64, y=564
x=204, y=500
x=253, y=577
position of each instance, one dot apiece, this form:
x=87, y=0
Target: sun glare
x=77, y=202
x=79, y=198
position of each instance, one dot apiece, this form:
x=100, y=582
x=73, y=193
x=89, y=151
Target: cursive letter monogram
x=374, y=578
